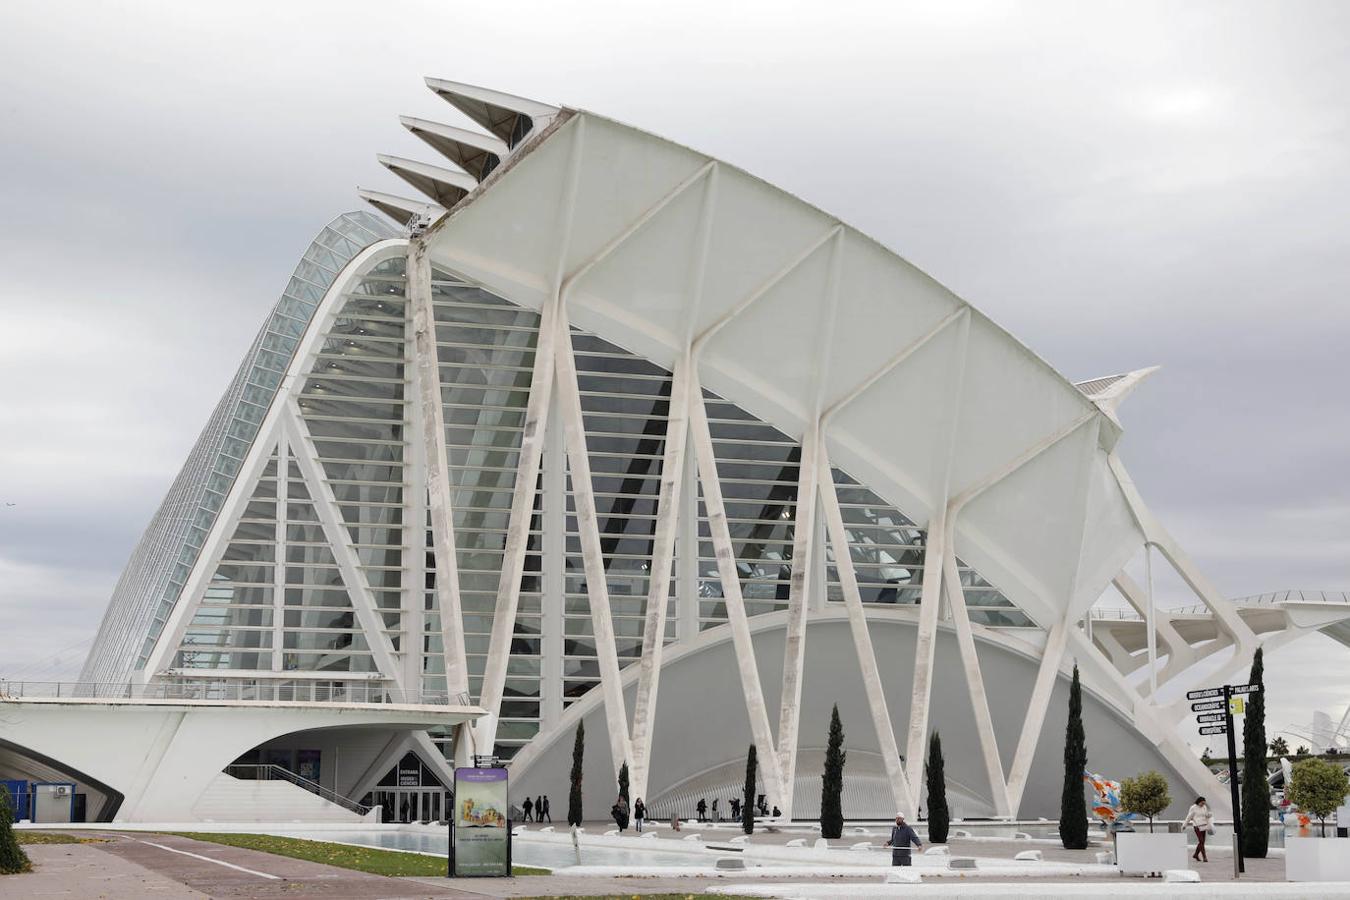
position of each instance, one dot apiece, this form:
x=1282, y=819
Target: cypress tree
x=574, y=798
x=623, y=780
x=939, y=817
x=832, y=784
x=748, y=795
x=1255, y=787
x=12, y=858
x=1073, y=824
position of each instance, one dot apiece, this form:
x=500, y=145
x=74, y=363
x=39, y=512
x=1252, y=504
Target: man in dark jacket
x=902, y=838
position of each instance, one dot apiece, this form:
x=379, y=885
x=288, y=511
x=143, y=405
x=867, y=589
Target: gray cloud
x=1120, y=185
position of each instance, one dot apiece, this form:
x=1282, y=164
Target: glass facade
x=277, y=604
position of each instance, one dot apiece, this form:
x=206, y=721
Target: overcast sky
x=1119, y=184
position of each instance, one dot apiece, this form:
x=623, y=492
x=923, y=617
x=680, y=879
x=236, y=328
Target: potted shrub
x=1317, y=787
x=1148, y=854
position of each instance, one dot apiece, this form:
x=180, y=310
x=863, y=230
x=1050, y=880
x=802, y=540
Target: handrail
x=371, y=692
x=270, y=772
x=1275, y=598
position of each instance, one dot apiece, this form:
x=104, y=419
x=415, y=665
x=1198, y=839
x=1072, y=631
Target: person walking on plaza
x=620, y=813
x=716, y=816
x=639, y=813
x=702, y=809
x=902, y=838
x=1201, y=818
x=527, y=807
x=539, y=808
x=542, y=812
x=735, y=810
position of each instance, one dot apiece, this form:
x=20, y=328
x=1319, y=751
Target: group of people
x=704, y=811
x=536, y=810
x=619, y=813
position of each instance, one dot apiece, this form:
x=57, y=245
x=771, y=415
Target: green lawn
x=52, y=837
x=362, y=859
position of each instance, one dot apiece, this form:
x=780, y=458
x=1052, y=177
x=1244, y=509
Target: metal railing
x=1275, y=598
x=369, y=692
x=266, y=772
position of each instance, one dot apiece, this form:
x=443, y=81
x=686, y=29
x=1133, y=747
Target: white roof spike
x=400, y=209
x=477, y=154
x=444, y=186
x=508, y=117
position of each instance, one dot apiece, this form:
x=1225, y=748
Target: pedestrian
x=735, y=809
x=1201, y=818
x=539, y=808
x=528, y=807
x=620, y=813
x=542, y=812
x=776, y=811
x=675, y=822
x=716, y=814
x=639, y=813
x=902, y=838
x=702, y=809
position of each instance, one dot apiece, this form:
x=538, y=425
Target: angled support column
x=279, y=566
x=670, y=505
x=1180, y=654
x=862, y=639
x=527, y=466
x=340, y=541
x=592, y=555
x=737, y=621
x=803, y=540
x=431, y=417
x=979, y=700
x=658, y=582
x=1051, y=658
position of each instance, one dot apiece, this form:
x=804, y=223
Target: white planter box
x=1316, y=859
x=1141, y=853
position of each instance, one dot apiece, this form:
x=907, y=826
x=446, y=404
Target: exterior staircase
x=273, y=794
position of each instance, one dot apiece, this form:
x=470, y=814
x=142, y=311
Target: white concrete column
x=553, y=577
x=862, y=639
x=279, y=570
x=1051, y=658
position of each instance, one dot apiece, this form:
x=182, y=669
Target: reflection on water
x=523, y=852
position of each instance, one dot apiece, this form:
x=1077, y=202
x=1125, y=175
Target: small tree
x=1146, y=795
x=832, y=783
x=1302, y=751
x=623, y=781
x=1255, y=775
x=12, y=858
x=1279, y=747
x=748, y=793
x=574, y=797
x=939, y=818
x=1073, y=823
x=1318, y=787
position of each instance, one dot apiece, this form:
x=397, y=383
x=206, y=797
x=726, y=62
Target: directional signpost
x=1218, y=706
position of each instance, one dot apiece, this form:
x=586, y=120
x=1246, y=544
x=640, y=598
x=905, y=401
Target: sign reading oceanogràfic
x=1214, y=729
x=1207, y=706
x=1204, y=693
x=481, y=842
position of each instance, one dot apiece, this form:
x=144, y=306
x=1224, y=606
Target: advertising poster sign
x=482, y=836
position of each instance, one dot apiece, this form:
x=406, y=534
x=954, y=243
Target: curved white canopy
x=796, y=315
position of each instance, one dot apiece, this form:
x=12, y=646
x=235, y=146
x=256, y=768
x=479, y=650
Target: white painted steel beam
x=701, y=435
x=340, y=543
x=862, y=639
x=279, y=565
x=592, y=555
x=527, y=465
x=1052, y=656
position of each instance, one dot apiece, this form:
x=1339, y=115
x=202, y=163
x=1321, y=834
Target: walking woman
x=1201, y=818
x=639, y=813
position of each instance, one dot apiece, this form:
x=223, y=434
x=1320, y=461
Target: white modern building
x=463, y=443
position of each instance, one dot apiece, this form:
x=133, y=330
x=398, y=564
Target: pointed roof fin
x=440, y=185
x=477, y=154
x=508, y=117
x=400, y=209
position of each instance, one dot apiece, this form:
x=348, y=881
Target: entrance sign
x=480, y=830
x=1214, y=729
x=1207, y=706
x=1204, y=693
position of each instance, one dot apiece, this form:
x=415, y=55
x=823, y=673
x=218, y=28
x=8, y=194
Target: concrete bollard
x=1030, y=856
x=902, y=875
x=1181, y=876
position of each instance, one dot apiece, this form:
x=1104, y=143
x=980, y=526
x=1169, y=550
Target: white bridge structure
x=612, y=431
